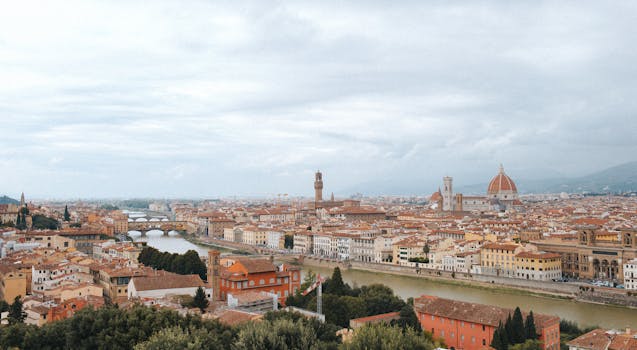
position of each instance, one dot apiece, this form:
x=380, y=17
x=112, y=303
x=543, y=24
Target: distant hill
x=8, y=200
x=617, y=179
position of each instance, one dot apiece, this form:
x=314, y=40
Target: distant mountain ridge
x=8, y=200
x=617, y=179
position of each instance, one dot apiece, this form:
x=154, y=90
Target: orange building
x=259, y=275
x=69, y=307
x=470, y=326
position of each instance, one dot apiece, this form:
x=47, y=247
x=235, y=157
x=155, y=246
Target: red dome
x=501, y=183
x=436, y=196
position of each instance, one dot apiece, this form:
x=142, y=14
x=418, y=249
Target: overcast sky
x=210, y=98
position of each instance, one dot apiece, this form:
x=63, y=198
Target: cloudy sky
x=218, y=98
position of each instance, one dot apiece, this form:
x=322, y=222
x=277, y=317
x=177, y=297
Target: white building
x=343, y=246
x=164, y=285
x=302, y=243
x=274, y=239
x=630, y=275
x=325, y=245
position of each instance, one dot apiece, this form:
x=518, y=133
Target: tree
x=529, y=344
x=200, y=299
x=16, y=314
x=508, y=330
x=517, y=326
x=279, y=334
x=380, y=299
x=382, y=336
x=502, y=333
x=425, y=249
x=408, y=319
x=67, y=216
x=529, y=327
x=171, y=338
x=336, y=285
x=496, y=341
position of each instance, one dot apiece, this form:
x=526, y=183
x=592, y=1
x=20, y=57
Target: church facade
x=502, y=195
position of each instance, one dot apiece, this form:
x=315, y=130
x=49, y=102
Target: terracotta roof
x=537, y=255
x=167, y=282
x=257, y=265
x=595, y=339
x=235, y=317
x=503, y=246
x=500, y=183
x=384, y=317
x=472, y=312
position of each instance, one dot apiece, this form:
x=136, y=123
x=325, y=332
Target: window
x=433, y=317
x=484, y=342
x=483, y=329
x=262, y=281
x=442, y=333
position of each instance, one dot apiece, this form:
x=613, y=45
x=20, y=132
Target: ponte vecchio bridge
x=165, y=226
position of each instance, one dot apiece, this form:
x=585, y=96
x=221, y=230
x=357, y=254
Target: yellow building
x=499, y=259
x=539, y=266
x=13, y=283
x=408, y=248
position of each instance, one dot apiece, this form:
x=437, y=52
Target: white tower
x=447, y=194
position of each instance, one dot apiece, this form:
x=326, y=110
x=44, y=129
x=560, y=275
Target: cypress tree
x=67, y=216
x=519, y=334
x=509, y=330
x=336, y=285
x=504, y=337
x=16, y=315
x=529, y=327
x=496, y=342
x=200, y=299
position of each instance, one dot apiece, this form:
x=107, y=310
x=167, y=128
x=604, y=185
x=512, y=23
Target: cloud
x=211, y=98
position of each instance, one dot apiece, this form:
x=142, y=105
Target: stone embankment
x=576, y=291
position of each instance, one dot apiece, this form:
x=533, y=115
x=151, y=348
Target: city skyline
x=214, y=100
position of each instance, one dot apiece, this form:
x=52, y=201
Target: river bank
x=409, y=284
x=572, y=291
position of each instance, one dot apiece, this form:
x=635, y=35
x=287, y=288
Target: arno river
x=583, y=313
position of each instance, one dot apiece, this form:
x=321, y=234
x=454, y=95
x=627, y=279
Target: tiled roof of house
x=167, y=282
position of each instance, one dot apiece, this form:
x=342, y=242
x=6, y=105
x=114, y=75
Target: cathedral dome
x=501, y=183
x=436, y=196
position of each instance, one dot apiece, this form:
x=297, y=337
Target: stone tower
x=447, y=194
x=318, y=187
x=214, y=274
x=22, y=202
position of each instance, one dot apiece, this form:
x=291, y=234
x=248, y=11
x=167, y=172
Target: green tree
x=380, y=299
x=383, y=337
x=408, y=319
x=426, y=248
x=530, y=344
x=529, y=327
x=16, y=314
x=280, y=334
x=517, y=327
x=496, y=341
x=67, y=216
x=171, y=338
x=504, y=334
x=508, y=330
x=200, y=299
x=336, y=285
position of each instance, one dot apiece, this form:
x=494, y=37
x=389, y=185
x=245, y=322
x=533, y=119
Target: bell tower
x=318, y=186
x=214, y=274
x=447, y=194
